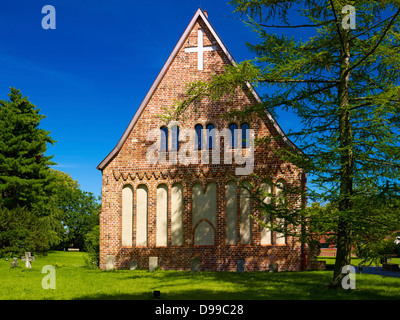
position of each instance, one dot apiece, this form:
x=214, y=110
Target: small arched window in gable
x=164, y=139
x=234, y=139
x=210, y=136
x=245, y=135
x=199, y=136
x=175, y=138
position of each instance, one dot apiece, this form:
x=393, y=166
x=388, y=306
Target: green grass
x=330, y=261
x=73, y=281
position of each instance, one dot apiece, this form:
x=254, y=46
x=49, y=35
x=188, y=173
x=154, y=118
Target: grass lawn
x=73, y=281
x=330, y=261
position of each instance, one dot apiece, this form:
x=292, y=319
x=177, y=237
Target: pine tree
x=28, y=217
x=343, y=84
x=25, y=177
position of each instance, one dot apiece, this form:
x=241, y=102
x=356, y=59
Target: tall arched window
x=281, y=197
x=164, y=139
x=141, y=215
x=162, y=216
x=245, y=135
x=127, y=215
x=199, y=136
x=234, y=139
x=175, y=138
x=210, y=136
x=245, y=214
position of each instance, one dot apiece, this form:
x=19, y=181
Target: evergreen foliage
x=25, y=177
x=40, y=208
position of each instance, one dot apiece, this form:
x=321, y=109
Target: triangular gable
x=199, y=14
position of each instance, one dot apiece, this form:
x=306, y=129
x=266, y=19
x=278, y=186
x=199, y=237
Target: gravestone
x=273, y=267
x=110, y=260
x=153, y=263
x=240, y=265
x=14, y=263
x=28, y=259
x=195, y=264
x=133, y=265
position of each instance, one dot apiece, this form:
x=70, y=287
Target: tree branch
x=303, y=96
x=301, y=81
x=362, y=105
x=383, y=21
x=378, y=43
x=280, y=26
x=337, y=25
x=380, y=162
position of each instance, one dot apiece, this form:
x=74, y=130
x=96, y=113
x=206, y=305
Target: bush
x=397, y=249
x=92, y=247
x=22, y=231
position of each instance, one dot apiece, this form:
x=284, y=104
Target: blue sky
x=90, y=74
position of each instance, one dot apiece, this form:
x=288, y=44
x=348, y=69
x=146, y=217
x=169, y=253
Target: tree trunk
x=343, y=256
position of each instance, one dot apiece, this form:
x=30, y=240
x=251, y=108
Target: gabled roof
x=199, y=14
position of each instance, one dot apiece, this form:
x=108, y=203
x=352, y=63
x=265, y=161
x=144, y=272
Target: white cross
x=200, y=49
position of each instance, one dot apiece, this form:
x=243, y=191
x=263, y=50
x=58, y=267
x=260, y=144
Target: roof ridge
x=199, y=13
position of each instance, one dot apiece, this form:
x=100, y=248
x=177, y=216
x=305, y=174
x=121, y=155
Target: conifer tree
x=28, y=217
x=25, y=177
x=343, y=84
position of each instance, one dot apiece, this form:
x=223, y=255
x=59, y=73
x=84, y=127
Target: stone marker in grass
x=28, y=259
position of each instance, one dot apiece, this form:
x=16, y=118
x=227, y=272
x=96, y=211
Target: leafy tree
x=92, y=246
x=377, y=225
x=343, y=84
x=78, y=211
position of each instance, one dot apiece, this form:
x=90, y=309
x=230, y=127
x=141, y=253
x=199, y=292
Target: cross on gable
x=200, y=49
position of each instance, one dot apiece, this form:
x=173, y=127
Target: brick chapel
x=168, y=213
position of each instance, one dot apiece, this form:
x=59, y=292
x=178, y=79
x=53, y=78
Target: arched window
x=162, y=216
x=164, y=139
x=175, y=138
x=127, y=215
x=245, y=214
x=245, y=135
x=234, y=140
x=231, y=212
x=204, y=213
x=199, y=136
x=281, y=201
x=141, y=215
x=177, y=215
x=210, y=136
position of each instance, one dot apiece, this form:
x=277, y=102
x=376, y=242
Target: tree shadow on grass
x=178, y=285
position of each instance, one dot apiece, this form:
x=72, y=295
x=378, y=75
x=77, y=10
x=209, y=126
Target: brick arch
x=124, y=184
x=211, y=121
x=161, y=183
x=196, y=227
x=204, y=183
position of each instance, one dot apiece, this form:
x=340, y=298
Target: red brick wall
x=131, y=167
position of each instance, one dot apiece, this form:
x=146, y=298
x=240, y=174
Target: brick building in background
x=172, y=212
